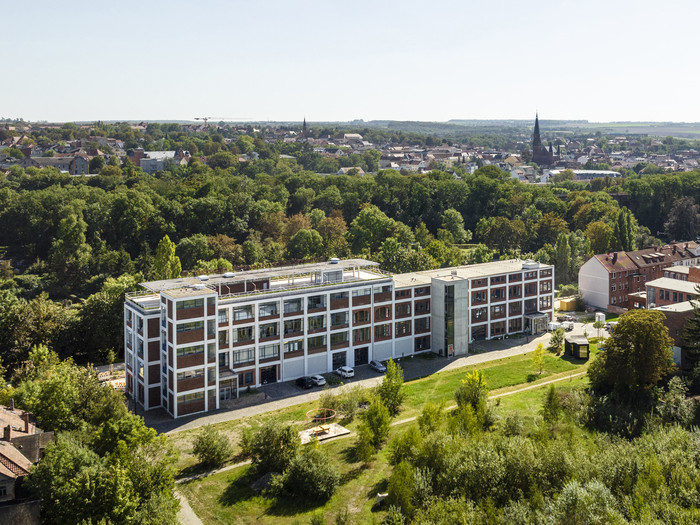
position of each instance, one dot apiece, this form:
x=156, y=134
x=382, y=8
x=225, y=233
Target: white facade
x=594, y=284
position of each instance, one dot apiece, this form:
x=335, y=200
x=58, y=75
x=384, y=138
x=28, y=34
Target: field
x=226, y=497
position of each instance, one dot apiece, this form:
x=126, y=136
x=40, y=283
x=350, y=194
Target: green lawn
x=227, y=497
x=437, y=387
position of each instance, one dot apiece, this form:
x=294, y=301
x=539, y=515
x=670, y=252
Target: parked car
x=318, y=380
x=376, y=365
x=567, y=325
x=305, y=382
x=553, y=326
x=610, y=326
x=562, y=318
x=345, y=371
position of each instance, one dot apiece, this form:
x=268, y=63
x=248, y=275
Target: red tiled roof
x=623, y=262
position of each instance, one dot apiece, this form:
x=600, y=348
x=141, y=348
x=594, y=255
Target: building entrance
x=268, y=374
x=339, y=359
x=361, y=356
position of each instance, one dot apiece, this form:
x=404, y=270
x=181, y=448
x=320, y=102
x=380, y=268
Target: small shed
x=576, y=346
x=567, y=305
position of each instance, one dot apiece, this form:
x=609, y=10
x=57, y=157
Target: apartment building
x=194, y=343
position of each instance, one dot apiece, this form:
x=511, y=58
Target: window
x=211, y=327
x=268, y=309
x=531, y=289
x=339, y=338
x=293, y=305
x=675, y=297
x=381, y=313
x=318, y=341
x=188, y=327
x=382, y=289
x=211, y=301
x=241, y=313
x=613, y=288
x=294, y=326
x=530, y=275
x=192, y=374
x=223, y=315
x=514, y=277
x=190, y=350
x=515, y=325
x=245, y=378
x=269, y=351
x=423, y=324
x=294, y=346
x=361, y=335
x=340, y=319
x=498, y=279
x=223, y=338
x=479, y=297
x=189, y=398
x=423, y=307
x=479, y=315
x=530, y=306
x=191, y=303
x=515, y=308
x=241, y=335
x=402, y=328
x=498, y=311
x=269, y=330
x=211, y=351
x=402, y=294
x=403, y=309
x=425, y=290
x=317, y=322
x=545, y=286
x=382, y=330
x=211, y=374
x=422, y=343
x=316, y=302
x=613, y=275
x=545, y=302
x=361, y=291
x=498, y=294
x=243, y=356
x=360, y=316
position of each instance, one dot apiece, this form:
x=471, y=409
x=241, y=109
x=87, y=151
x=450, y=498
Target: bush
x=551, y=407
x=406, y=446
x=402, y=488
x=567, y=290
x=310, y=477
x=431, y=417
x=472, y=389
x=211, y=447
x=272, y=447
x=513, y=425
x=373, y=430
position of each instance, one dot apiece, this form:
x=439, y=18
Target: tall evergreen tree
x=166, y=264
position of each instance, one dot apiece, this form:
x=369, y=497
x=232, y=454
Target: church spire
x=537, y=125
x=303, y=129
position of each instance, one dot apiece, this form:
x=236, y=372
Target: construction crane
x=220, y=119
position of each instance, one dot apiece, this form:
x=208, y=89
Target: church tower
x=540, y=155
x=303, y=130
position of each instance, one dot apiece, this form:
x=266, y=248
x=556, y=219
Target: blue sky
x=404, y=60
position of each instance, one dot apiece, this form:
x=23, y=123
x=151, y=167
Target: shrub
x=431, y=417
x=472, y=389
x=406, y=446
x=310, y=477
x=556, y=340
x=513, y=425
x=211, y=447
x=402, y=488
x=272, y=447
x=373, y=430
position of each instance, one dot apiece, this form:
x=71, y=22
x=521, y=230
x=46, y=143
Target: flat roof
x=471, y=271
x=675, y=285
x=685, y=306
x=254, y=275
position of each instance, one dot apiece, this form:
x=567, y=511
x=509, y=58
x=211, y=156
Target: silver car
x=376, y=365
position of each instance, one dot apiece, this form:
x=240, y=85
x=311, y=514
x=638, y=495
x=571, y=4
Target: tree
x=70, y=254
x=211, y=447
x=562, y=259
x=310, y=477
x=690, y=342
x=271, y=447
x=431, y=417
x=598, y=325
x=166, y=264
x=401, y=488
x=673, y=406
x=453, y=222
x=683, y=219
x=549, y=227
x=192, y=249
x=390, y=391
x=600, y=235
x=472, y=389
x=637, y=355
x=96, y=164
x=556, y=340
x=305, y=244
x=551, y=406
x=373, y=430
x=538, y=358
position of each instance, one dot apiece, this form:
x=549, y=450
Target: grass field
x=226, y=497
x=437, y=387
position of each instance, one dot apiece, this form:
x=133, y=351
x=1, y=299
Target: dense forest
x=71, y=246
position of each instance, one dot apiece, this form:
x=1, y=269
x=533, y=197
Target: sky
x=611, y=60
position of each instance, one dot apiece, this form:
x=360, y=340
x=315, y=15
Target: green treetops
x=166, y=264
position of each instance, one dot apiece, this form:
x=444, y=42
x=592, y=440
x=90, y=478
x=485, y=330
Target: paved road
x=283, y=395
x=186, y=515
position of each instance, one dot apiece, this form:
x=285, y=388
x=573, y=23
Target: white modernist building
x=193, y=343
